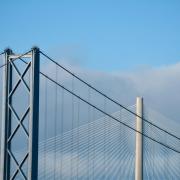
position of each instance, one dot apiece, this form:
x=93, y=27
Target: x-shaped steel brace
x=20, y=78
x=18, y=165
x=20, y=123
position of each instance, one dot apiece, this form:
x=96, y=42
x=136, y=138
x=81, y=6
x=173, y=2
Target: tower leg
x=139, y=140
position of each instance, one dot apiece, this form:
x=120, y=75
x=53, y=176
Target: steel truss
x=13, y=168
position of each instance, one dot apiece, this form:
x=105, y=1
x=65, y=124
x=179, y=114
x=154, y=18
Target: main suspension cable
x=105, y=113
x=112, y=100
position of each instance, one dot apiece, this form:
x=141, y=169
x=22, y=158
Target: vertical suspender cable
x=93, y=141
x=119, y=143
x=72, y=132
x=166, y=160
x=104, y=141
x=62, y=141
x=55, y=126
x=89, y=135
x=153, y=152
x=45, y=129
x=78, y=124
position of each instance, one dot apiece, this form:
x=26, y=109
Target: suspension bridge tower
x=10, y=113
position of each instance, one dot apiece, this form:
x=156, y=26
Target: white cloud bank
x=160, y=87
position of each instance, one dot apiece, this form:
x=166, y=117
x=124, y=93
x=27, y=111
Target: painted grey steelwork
x=8, y=157
x=7, y=81
x=34, y=116
x=139, y=140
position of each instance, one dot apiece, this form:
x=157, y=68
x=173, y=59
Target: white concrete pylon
x=139, y=140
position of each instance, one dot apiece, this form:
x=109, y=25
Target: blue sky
x=104, y=35
x=107, y=35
